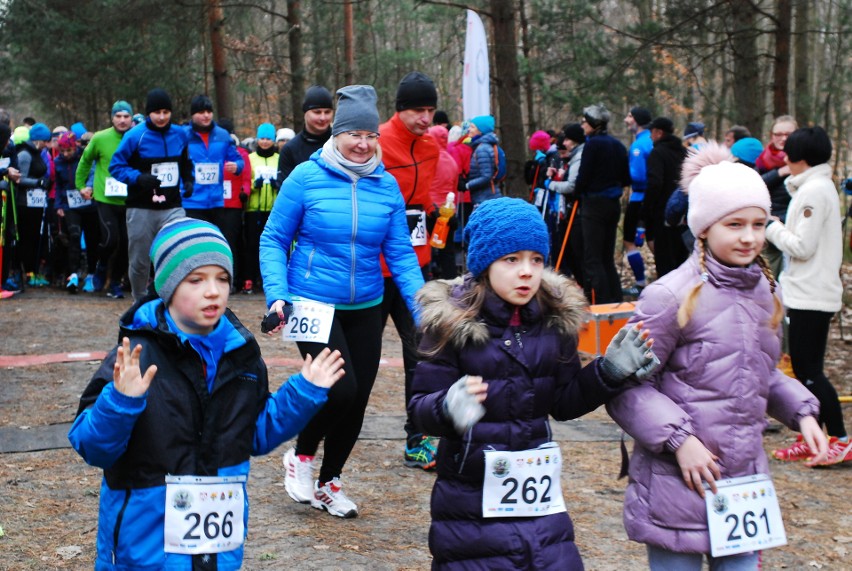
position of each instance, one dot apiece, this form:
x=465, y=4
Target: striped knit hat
x=181, y=247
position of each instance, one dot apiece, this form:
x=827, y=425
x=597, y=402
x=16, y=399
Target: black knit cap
x=416, y=90
x=664, y=124
x=157, y=99
x=317, y=97
x=200, y=103
x=440, y=118
x=574, y=132
x=641, y=115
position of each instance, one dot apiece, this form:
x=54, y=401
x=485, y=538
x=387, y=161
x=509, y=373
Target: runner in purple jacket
x=501, y=356
x=700, y=417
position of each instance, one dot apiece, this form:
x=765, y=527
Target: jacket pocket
x=671, y=504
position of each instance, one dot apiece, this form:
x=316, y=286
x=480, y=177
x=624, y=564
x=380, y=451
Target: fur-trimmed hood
x=441, y=310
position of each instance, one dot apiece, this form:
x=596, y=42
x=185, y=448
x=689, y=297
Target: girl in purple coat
x=701, y=416
x=501, y=356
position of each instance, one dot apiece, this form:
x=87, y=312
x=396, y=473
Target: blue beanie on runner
x=501, y=226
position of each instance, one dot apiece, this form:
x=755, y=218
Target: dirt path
x=49, y=498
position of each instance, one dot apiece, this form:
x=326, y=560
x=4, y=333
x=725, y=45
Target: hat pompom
x=711, y=154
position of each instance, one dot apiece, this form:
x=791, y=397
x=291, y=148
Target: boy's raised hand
x=325, y=370
x=126, y=374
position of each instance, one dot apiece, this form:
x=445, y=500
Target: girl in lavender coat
x=501, y=356
x=700, y=417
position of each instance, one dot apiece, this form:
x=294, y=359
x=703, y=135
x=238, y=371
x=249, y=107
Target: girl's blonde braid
x=778, y=312
x=684, y=312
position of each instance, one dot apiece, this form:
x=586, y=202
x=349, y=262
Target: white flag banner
x=476, y=88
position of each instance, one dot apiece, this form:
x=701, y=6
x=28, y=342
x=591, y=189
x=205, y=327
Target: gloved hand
x=540, y=157
x=188, y=187
x=273, y=182
x=463, y=407
x=44, y=182
x=431, y=219
x=244, y=197
x=148, y=181
x=629, y=353
x=258, y=183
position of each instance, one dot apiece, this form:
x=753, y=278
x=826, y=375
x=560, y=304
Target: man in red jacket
x=412, y=158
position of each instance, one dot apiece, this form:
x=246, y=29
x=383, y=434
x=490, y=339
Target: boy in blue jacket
x=174, y=420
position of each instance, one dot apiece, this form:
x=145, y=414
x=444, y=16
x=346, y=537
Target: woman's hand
x=325, y=370
x=696, y=464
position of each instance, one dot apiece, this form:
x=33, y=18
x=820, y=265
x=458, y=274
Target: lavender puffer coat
x=532, y=371
x=717, y=382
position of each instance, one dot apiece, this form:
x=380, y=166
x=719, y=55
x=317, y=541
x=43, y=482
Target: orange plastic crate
x=605, y=319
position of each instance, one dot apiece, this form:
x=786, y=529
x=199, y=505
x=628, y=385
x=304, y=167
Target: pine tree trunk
x=216, y=20
x=297, y=70
x=508, y=86
x=780, y=100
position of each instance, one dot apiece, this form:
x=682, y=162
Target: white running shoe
x=330, y=497
x=298, y=477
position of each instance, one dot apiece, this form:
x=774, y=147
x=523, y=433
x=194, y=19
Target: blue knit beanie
x=747, y=150
x=78, y=129
x=181, y=247
x=39, y=132
x=266, y=131
x=501, y=226
x=485, y=123
x=121, y=106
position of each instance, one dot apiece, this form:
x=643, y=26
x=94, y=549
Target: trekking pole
x=567, y=233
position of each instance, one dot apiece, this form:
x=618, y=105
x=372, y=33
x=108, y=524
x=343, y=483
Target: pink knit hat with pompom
x=540, y=141
x=717, y=187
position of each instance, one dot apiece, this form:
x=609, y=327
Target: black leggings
x=393, y=305
x=357, y=334
x=113, y=244
x=808, y=337
x=79, y=222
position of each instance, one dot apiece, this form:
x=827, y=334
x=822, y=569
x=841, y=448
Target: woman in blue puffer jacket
x=345, y=211
x=483, y=165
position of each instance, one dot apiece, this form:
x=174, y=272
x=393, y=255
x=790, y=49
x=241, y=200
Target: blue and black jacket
x=179, y=427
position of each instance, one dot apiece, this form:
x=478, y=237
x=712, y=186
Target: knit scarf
x=770, y=158
x=333, y=157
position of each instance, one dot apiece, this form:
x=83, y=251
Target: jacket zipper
x=310, y=262
x=118, y=521
x=518, y=339
x=352, y=241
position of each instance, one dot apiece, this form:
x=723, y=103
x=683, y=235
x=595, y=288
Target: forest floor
x=49, y=496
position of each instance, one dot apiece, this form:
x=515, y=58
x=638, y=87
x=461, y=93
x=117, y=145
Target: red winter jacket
x=412, y=161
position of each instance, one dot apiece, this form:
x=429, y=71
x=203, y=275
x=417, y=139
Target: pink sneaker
x=795, y=453
x=838, y=452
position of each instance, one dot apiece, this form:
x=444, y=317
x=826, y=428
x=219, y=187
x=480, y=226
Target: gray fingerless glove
x=461, y=407
x=628, y=354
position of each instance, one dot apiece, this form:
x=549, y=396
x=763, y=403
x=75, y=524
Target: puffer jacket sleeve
x=481, y=167
x=432, y=379
x=105, y=419
x=789, y=400
x=578, y=390
x=281, y=228
x=232, y=155
x=646, y=414
x=119, y=166
x=400, y=256
x=286, y=413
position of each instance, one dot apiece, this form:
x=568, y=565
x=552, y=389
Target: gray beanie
x=356, y=110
